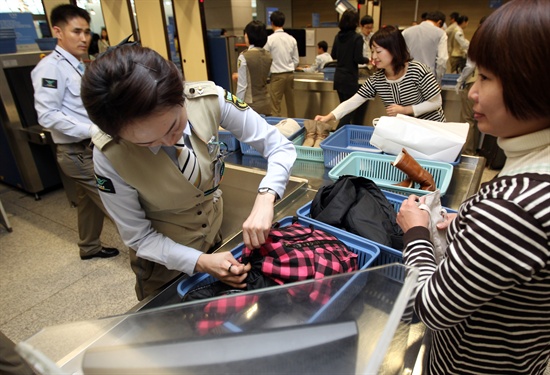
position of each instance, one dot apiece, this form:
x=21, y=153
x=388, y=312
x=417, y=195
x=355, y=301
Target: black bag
x=357, y=205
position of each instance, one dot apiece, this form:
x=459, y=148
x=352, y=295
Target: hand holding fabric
x=223, y=266
x=410, y=215
x=257, y=225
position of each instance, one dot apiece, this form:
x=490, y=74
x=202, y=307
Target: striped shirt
x=488, y=302
x=418, y=85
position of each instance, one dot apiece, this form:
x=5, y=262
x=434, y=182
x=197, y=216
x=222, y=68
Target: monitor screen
x=329, y=348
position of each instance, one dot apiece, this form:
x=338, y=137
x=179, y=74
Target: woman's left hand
x=394, y=109
x=258, y=224
x=410, y=215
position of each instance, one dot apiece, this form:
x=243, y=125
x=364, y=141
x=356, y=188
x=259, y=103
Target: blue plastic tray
x=367, y=253
x=249, y=150
x=379, y=169
x=347, y=139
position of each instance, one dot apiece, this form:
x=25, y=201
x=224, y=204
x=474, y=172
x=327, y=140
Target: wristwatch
x=266, y=190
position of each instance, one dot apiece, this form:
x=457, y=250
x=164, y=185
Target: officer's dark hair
x=366, y=20
x=390, y=38
x=257, y=33
x=461, y=19
x=436, y=16
x=349, y=20
x=454, y=16
x=128, y=83
x=323, y=45
x=496, y=45
x=277, y=18
x=62, y=14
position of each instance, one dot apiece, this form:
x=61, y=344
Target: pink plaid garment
x=295, y=253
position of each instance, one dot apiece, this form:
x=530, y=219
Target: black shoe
x=106, y=252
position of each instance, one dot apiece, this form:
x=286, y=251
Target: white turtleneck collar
x=529, y=153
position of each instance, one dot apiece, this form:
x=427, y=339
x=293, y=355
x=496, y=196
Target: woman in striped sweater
x=405, y=86
x=488, y=302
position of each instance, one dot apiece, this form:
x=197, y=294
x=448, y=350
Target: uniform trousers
x=75, y=160
x=282, y=84
x=457, y=63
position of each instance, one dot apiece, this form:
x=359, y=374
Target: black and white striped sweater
x=488, y=302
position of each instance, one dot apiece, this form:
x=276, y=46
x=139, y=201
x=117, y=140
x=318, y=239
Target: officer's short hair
x=62, y=14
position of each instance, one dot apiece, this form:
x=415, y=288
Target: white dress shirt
x=56, y=82
x=284, y=51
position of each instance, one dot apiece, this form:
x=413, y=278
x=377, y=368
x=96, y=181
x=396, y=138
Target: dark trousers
x=355, y=117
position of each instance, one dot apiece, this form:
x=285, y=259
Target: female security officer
x=158, y=164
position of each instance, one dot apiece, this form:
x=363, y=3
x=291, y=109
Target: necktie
x=187, y=162
x=81, y=67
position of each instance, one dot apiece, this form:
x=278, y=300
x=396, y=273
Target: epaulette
x=193, y=90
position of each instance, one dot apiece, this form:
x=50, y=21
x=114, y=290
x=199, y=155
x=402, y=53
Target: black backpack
x=357, y=205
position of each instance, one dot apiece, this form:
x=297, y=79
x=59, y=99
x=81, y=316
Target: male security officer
x=56, y=81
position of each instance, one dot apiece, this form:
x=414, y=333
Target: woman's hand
x=410, y=215
x=325, y=118
x=258, y=224
x=394, y=109
x=223, y=266
x=445, y=224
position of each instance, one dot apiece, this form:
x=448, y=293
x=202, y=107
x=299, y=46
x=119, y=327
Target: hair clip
x=145, y=66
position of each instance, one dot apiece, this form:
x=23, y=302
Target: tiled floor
x=43, y=281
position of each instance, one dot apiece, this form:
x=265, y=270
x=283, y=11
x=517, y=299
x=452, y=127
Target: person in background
x=284, y=51
x=450, y=29
x=486, y=303
x=463, y=85
x=347, y=49
x=427, y=43
x=253, y=69
x=459, y=45
x=103, y=40
x=159, y=164
x=405, y=86
x=56, y=82
x=93, y=49
x=367, y=27
x=321, y=59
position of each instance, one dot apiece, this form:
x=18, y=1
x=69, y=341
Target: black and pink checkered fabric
x=295, y=253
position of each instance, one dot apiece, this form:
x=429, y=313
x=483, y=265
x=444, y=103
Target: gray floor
x=43, y=281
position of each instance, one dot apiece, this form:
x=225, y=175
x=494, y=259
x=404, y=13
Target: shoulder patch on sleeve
x=238, y=103
x=49, y=83
x=105, y=184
